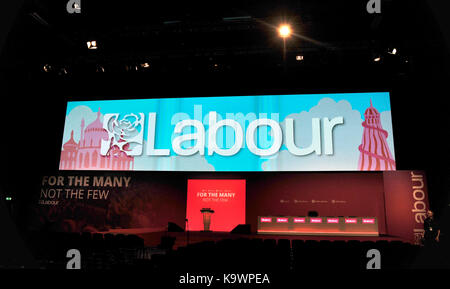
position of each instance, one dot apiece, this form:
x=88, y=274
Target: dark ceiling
x=219, y=36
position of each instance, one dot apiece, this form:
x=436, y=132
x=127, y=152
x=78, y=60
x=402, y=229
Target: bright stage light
x=393, y=51
x=91, y=44
x=299, y=57
x=285, y=31
x=377, y=59
x=100, y=68
x=47, y=68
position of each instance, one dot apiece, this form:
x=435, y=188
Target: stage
x=153, y=239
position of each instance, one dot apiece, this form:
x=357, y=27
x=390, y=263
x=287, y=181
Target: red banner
x=225, y=197
x=406, y=200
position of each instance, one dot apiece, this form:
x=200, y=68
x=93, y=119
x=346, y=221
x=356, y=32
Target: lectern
x=207, y=212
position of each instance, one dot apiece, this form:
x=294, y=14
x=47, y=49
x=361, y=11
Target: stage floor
x=153, y=239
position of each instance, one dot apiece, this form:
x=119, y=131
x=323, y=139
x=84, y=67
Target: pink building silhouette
x=374, y=150
x=85, y=155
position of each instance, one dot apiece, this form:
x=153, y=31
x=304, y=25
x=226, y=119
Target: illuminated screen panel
x=224, y=200
x=315, y=132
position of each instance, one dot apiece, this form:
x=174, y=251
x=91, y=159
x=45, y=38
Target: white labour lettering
x=277, y=134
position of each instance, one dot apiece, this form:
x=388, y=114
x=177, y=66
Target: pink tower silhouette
x=85, y=155
x=69, y=154
x=374, y=150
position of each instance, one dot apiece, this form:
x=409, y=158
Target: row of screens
x=302, y=220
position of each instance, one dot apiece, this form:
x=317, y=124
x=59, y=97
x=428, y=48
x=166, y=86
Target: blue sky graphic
x=183, y=108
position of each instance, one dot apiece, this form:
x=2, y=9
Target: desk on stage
x=323, y=226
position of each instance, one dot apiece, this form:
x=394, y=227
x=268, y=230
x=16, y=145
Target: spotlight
x=285, y=31
x=62, y=71
x=393, y=51
x=377, y=59
x=91, y=44
x=299, y=57
x=47, y=68
x=145, y=65
x=100, y=68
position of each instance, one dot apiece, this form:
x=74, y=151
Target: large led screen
x=314, y=132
